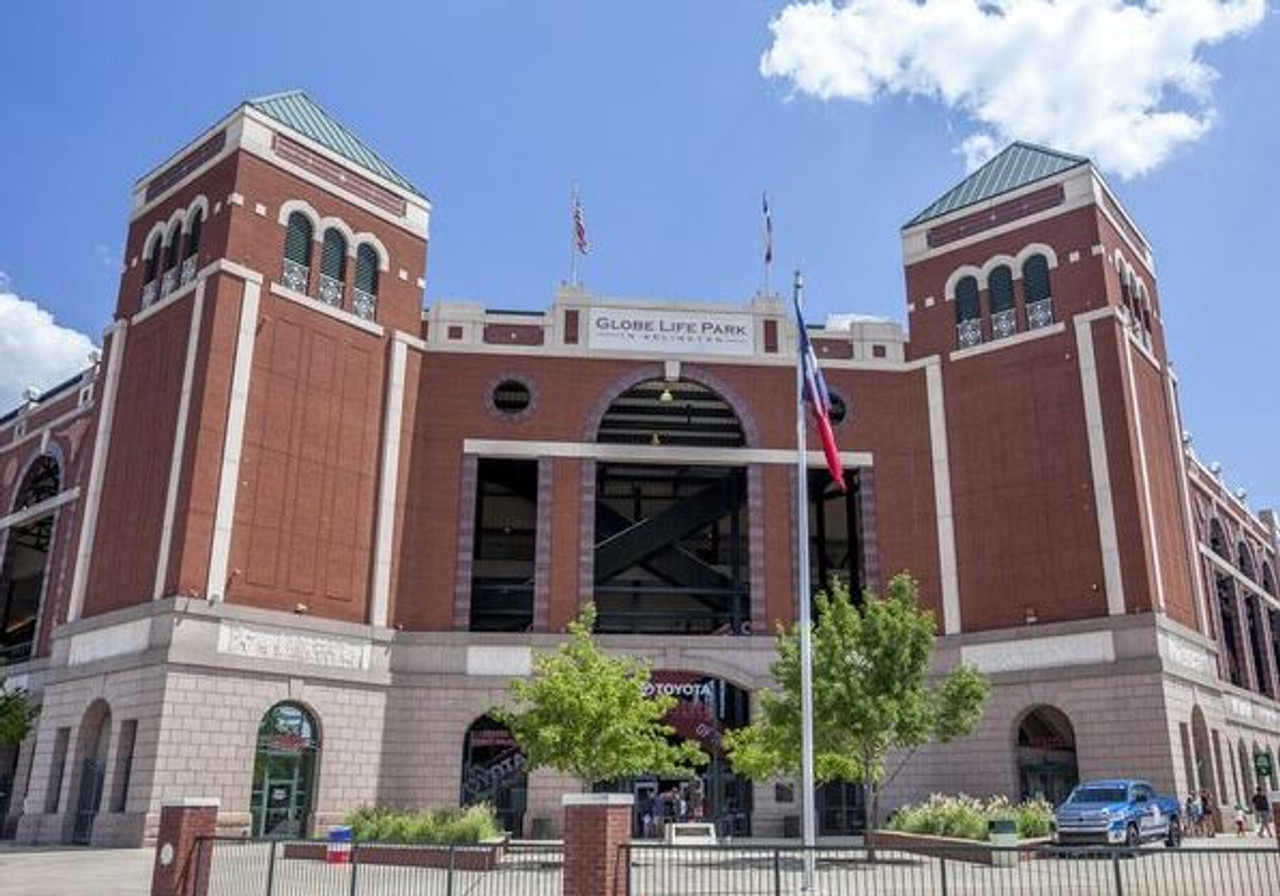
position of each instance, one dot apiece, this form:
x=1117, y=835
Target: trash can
x=1002, y=833
x=338, y=849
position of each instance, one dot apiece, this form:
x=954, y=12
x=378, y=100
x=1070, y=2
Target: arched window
x=284, y=772
x=968, y=312
x=297, y=252
x=366, y=292
x=1004, y=321
x=1268, y=580
x=1037, y=292
x=333, y=267
x=153, y=257
x=1244, y=559
x=173, y=248
x=1126, y=291
x=189, y=258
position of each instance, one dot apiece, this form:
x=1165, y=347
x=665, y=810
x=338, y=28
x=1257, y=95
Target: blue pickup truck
x=1120, y=812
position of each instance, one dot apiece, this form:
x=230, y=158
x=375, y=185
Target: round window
x=839, y=410
x=512, y=397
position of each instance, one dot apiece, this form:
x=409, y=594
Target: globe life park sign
x=671, y=331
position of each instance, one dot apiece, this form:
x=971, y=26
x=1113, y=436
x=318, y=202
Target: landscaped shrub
x=473, y=824
x=966, y=817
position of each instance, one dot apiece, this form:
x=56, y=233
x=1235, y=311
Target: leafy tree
x=585, y=712
x=870, y=694
x=17, y=715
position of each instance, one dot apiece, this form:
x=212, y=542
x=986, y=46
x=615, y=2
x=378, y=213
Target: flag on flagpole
x=819, y=401
x=768, y=231
x=579, y=227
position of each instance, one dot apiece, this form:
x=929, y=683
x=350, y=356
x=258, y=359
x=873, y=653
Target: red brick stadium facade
x=288, y=539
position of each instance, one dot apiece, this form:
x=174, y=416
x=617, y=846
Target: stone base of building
x=393, y=711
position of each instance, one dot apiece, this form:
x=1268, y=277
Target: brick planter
x=977, y=852
x=480, y=857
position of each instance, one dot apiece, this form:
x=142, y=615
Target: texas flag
x=819, y=401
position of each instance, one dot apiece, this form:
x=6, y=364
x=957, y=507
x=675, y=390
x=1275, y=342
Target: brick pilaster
x=596, y=826
x=180, y=869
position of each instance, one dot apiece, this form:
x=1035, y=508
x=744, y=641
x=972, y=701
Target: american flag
x=819, y=401
x=579, y=227
x=768, y=231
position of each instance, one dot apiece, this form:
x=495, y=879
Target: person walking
x=1262, y=812
x=1209, y=810
x=1193, y=811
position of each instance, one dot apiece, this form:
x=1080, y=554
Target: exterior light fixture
x=666, y=395
x=655, y=440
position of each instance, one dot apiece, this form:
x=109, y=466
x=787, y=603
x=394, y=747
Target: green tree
x=585, y=712
x=871, y=695
x=17, y=715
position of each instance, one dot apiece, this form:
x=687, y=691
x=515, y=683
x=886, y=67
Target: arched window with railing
x=173, y=248
x=195, y=227
x=296, y=273
x=365, y=299
x=968, y=312
x=1004, y=321
x=333, y=267
x=1037, y=292
x=150, y=288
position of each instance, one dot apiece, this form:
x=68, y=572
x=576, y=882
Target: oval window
x=512, y=397
x=839, y=410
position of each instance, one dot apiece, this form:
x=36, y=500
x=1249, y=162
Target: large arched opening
x=494, y=772
x=95, y=741
x=1200, y=751
x=672, y=534
x=1045, y=750
x=1246, y=768
x=285, y=766
x=26, y=556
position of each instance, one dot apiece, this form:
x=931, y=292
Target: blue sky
x=661, y=112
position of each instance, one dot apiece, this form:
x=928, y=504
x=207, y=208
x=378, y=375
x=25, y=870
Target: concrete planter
x=952, y=848
x=472, y=857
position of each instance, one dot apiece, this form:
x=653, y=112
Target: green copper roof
x=296, y=110
x=1017, y=165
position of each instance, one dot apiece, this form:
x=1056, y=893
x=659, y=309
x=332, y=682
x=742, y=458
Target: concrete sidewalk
x=74, y=871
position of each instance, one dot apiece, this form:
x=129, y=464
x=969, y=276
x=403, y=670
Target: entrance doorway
x=284, y=771
x=95, y=738
x=1046, y=755
x=493, y=772
x=706, y=708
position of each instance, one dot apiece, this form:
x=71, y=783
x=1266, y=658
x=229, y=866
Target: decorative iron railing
x=969, y=332
x=1040, y=313
x=188, y=270
x=331, y=290
x=365, y=304
x=168, y=282
x=295, y=275
x=149, y=294
x=1004, y=323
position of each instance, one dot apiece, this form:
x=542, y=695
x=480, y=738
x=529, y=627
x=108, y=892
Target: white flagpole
x=808, y=807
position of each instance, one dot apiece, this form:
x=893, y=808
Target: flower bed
x=964, y=817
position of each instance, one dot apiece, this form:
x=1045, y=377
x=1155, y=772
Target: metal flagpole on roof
x=573, y=235
x=808, y=808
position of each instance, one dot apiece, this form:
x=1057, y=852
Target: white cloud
x=1124, y=83
x=34, y=350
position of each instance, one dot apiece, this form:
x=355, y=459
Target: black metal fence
x=665, y=870
x=230, y=866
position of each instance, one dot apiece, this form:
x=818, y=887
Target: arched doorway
x=706, y=707
x=1246, y=769
x=95, y=740
x=672, y=545
x=1046, y=755
x=1200, y=747
x=493, y=772
x=26, y=554
x=284, y=772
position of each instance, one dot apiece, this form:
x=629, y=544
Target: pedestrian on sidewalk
x=1262, y=812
